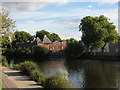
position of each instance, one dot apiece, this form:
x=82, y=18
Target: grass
x=29, y=68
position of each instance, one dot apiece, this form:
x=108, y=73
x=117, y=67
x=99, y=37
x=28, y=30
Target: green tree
x=21, y=36
x=40, y=51
x=71, y=40
x=74, y=49
x=41, y=34
x=55, y=36
x=7, y=27
x=97, y=32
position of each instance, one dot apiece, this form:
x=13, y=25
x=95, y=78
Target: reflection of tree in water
x=97, y=74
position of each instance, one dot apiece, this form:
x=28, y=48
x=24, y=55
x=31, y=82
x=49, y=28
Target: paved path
x=14, y=79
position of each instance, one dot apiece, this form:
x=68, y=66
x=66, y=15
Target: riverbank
x=14, y=79
x=102, y=56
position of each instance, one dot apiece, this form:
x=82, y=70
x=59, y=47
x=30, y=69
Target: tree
x=7, y=27
x=55, y=36
x=74, y=49
x=71, y=40
x=40, y=51
x=51, y=37
x=41, y=34
x=21, y=36
x=97, y=32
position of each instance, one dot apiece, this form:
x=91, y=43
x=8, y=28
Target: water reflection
x=94, y=74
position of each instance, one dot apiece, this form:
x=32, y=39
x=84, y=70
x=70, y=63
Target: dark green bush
x=59, y=80
x=74, y=50
x=40, y=51
x=37, y=76
x=17, y=66
x=30, y=69
x=17, y=52
x=4, y=61
x=27, y=67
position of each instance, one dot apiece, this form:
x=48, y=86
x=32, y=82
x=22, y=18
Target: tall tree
x=71, y=40
x=41, y=34
x=21, y=36
x=55, y=36
x=7, y=27
x=97, y=32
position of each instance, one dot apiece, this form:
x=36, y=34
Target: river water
x=84, y=73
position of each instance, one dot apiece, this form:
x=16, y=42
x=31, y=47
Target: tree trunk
x=103, y=48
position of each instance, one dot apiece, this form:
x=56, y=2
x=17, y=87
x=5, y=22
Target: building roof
x=46, y=40
x=36, y=40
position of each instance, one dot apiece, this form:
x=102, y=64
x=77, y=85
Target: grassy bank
x=29, y=68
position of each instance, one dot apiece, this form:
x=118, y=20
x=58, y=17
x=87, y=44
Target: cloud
x=108, y=2
x=66, y=23
x=71, y=23
x=51, y=27
x=89, y=6
x=20, y=6
x=30, y=22
x=67, y=35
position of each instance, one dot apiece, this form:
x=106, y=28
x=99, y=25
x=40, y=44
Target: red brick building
x=54, y=46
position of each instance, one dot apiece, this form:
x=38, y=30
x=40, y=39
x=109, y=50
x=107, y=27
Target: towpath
x=14, y=79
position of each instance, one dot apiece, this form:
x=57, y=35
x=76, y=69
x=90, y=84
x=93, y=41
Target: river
x=84, y=73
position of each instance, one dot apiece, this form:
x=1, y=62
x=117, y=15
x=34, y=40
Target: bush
x=4, y=61
x=40, y=51
x=30, y=69
x=27, y=67
x=59, y=80
x=74, y=50
x=17, y=66
x=17, y=52
x=37, y=76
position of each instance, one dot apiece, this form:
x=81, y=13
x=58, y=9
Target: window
x=57, y=43
x=57, y=46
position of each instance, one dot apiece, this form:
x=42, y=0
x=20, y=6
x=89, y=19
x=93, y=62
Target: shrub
x=17, y=52
x=4, y=61
x=74, y=50
x=40, y=51
x=30, y=69
x=17, y=66
x=37, y=76
x=59, y=80
x=27, y=66
x=27, y=52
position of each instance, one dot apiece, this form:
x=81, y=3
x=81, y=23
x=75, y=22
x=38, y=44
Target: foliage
x=41, y=34
x=55, y=36
x=21, y=36
x=30, y=69
x=27, y=67
x=4, y=61
x=7, y=26
x=17, y=52
x=74, y=49
x=71, y=40
x=40, y=51
x=97, y=32
x=59, y=80
x=51, y=37
x=37, y=76
x=17, y=66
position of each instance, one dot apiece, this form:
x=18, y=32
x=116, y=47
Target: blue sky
x=60, y=17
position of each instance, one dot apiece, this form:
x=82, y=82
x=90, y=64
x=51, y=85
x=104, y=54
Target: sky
x=58, y=16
